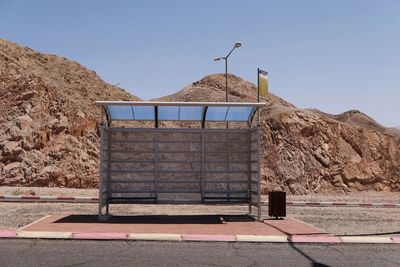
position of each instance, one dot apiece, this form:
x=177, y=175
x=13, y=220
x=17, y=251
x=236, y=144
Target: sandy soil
x=48, y=191
x=338, y=220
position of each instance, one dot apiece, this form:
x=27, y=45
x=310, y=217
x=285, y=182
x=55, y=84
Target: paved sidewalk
x=173, y=224
x=227, y=228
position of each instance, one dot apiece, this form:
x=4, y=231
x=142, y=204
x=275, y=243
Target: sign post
x=262, y=88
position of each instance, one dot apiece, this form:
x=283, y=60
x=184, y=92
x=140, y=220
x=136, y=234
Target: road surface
x=130, y=253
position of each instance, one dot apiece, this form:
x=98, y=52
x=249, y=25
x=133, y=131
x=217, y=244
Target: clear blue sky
x=332, y=55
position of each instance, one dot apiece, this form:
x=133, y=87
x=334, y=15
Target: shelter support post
x=202, y=177
x=103, y=172
x=101, y=177
x=108, y=176
x=156, y=167
x=255, y=171
x=258, y=172
x=249, y=171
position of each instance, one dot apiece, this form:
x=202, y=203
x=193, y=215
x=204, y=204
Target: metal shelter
x=210, y=164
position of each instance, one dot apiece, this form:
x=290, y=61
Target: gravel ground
x=48, y=191
x=368, y=196
x=336, y=220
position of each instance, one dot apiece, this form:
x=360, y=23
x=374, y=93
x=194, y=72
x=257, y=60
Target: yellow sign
x=263, y=83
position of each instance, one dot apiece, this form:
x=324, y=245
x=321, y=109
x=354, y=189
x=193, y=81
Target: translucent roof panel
x=191, y=113
x=238, y=113
x=216, y=113
x=180, y=111
x=121, y=112
x=143, y=113
x=168, y=113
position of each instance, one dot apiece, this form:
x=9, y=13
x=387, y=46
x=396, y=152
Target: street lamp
x=237, y=45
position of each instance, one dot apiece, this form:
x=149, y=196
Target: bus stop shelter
x=179, y=153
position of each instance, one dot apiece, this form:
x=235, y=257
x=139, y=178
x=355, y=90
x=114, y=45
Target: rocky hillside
x=308, y=151
x=49, y=135
x=48, y=119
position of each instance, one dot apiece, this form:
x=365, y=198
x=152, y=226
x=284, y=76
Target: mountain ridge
x=49, y=130
x=309, y=151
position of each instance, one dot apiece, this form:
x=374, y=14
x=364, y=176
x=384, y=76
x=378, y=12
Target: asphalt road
x=130, y=253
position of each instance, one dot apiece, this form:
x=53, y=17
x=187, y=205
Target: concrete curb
x=323, y=238
x=216, y=238
x=69, y=199
x=315, y=239
x=340, y=204
x=262, y=238
x=396, y=239
x=100, y=236
x=367, y=239
x=155, y=237
x=7, y=234
x=44, y=234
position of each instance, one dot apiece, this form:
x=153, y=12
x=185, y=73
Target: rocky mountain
x=394, y=131
x=48, y=119
x=49, y=134
x=308, y=151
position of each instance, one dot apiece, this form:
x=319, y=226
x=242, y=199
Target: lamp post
x=237, y=45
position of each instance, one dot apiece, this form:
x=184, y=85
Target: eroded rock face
x=47, y=116
x=309, y=152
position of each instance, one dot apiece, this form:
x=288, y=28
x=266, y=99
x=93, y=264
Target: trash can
x=277, y=204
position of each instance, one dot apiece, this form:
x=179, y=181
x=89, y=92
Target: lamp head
x=217, y=59
x=238, y=44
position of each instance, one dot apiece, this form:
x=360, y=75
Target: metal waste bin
x=277, y=204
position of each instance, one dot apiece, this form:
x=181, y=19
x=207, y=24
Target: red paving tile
x=294, y=227
x=197, y=224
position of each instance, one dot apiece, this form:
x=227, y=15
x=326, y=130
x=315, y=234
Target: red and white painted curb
x=68, y=199
x=323, y=238
x=61, y=199
x=342, y=204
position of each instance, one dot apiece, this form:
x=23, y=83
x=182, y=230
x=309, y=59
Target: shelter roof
x=180, y=111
